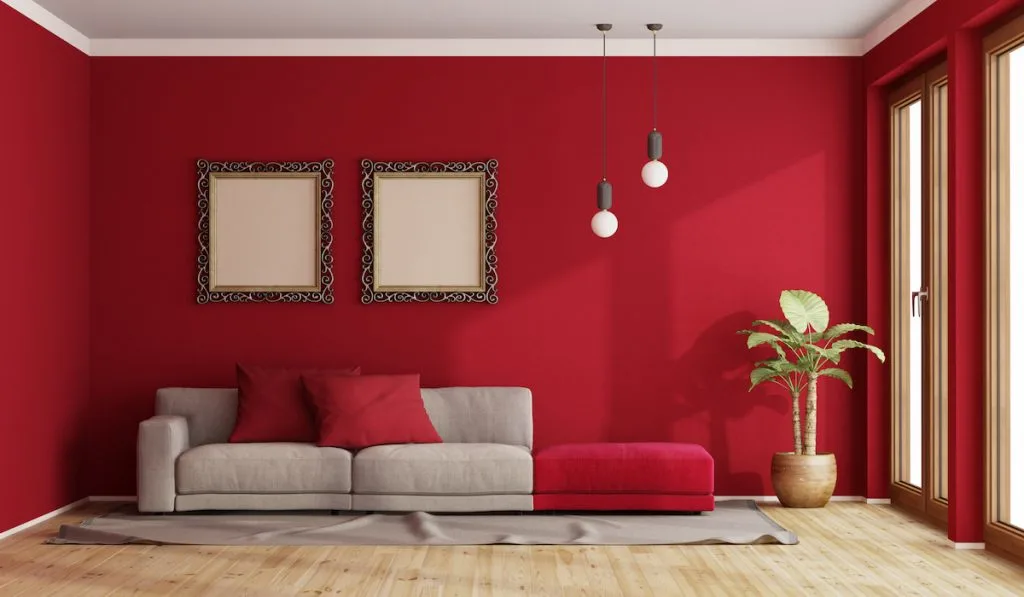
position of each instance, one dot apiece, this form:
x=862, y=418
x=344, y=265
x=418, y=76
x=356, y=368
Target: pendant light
x=654, y=172
x=604, y=223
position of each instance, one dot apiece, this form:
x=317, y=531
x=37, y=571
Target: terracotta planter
x=803, y=481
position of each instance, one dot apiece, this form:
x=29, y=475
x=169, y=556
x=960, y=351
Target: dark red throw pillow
x=369, y=410
x=272, y=406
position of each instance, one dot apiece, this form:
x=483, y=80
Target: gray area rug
x=738, y=522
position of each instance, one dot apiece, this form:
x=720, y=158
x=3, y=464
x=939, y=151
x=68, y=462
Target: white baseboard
x=43, y=518
x=67, y=508
x=771, y=499
x=879, y=501
x=967, y=545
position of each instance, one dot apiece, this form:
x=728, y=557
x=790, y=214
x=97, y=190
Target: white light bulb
x=654, y=174
x=604, y=223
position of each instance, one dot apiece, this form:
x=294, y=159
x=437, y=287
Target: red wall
x=44, y=265
x=631, y=338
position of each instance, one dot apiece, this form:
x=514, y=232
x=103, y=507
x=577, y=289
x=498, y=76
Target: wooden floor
x=845, y=549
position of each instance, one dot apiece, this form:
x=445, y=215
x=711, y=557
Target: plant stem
x=811, y=426
x=797, y=440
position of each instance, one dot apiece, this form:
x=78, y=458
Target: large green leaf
x=789, y=333
x=804, y=309
x=781, y=365
x=779, y=351
x=831, y=354
x=782, y=370
x=761, y=375
x=842, y=345
x=839, y=374
x=756, y=339
x=841, y=329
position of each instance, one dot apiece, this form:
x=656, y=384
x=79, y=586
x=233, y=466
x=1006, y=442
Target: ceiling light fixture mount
x=604, y=223
x=654, y=172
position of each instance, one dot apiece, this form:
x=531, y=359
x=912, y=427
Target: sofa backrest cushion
x=210, y=412
x=495, y=415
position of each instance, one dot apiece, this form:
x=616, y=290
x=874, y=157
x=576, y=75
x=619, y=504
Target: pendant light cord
x=604, y=105
x=654, y=34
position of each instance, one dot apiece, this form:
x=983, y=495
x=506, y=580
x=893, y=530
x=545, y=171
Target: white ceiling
x=469, y=19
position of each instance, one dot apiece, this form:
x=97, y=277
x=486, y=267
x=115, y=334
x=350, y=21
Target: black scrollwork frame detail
x=489, y=294
x=325, y=293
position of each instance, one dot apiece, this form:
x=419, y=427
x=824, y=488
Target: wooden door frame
x=926, y=500
x=998, y=534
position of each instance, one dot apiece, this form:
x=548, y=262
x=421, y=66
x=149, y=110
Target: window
x=1004, y=285
x=919, y=126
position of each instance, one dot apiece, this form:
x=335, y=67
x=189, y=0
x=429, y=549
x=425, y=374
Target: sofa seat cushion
x=443, y=469
x=657, y=468
x=264, y=468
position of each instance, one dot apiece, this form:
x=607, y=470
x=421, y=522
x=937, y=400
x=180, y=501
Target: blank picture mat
x=428, y=232
x=264, y=232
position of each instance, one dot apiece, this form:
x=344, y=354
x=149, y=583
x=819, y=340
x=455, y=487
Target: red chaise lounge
x=624, y=476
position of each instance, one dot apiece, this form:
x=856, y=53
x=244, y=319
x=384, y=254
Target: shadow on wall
x=706, y=400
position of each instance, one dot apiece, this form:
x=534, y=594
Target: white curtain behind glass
x=1016, y=283
x=914, y=475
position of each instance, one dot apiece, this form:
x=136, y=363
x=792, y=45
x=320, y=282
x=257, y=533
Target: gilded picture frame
x=265, y=232
x=429, y=232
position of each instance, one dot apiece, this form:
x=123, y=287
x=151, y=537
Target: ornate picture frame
x=429, y=232
x=265, y=232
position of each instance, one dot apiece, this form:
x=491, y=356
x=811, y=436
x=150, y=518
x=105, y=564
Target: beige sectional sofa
x=484, y=464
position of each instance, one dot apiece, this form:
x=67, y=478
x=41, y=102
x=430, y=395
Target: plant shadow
x=709, y=394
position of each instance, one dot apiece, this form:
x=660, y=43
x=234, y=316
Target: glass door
x=919, y=127
x=1004, y=274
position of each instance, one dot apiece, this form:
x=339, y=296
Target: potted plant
x=806, y=350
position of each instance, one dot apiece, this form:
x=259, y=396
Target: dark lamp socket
x=654, y=145
x=604, y=195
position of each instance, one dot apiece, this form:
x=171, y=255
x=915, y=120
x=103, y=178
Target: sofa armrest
x=161, y=440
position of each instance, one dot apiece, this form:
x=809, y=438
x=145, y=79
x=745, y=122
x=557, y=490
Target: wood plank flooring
x=845, y=549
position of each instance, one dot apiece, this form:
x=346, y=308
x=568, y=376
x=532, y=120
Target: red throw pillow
x=369, y=410
x=272, y=406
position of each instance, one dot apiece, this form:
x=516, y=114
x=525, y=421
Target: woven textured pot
x=803, y=481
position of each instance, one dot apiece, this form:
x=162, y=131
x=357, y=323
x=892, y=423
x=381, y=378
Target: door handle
x=917, y=299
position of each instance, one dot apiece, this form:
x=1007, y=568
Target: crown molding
x=897, y=19
x=465, y=47
x=473, y=47
x=47, y=20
